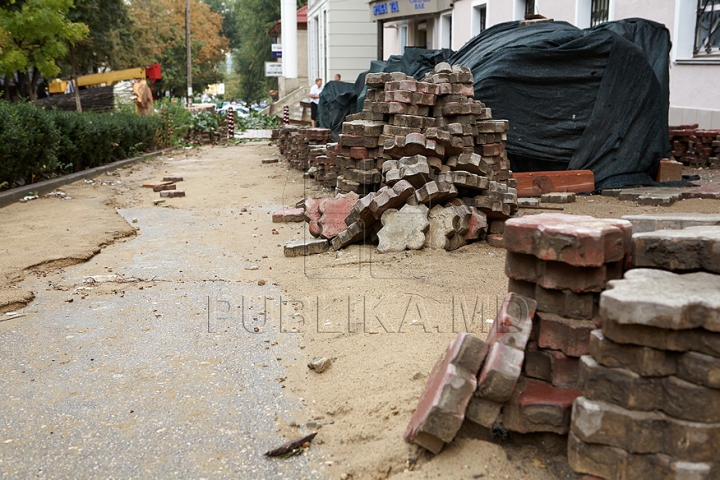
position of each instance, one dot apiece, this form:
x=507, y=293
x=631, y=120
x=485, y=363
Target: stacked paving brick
x=432, y=158
x=695, y=147
x=650, y=405
x=299, y=145
x=558, y=263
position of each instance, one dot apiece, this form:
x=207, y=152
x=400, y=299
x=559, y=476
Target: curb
x=9, y=197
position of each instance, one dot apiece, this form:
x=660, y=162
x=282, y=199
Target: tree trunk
x=31, y=91
x=78, y=104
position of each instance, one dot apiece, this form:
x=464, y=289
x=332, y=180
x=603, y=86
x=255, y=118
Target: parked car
x=237, y=108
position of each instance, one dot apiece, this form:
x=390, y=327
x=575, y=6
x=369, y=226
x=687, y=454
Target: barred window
x=599, y=12
x=707, y=28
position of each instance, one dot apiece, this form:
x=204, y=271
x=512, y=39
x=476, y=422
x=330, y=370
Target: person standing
x=337, y=77
x=315, y=91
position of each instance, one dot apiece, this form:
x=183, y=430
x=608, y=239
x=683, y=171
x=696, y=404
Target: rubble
x=695, y=147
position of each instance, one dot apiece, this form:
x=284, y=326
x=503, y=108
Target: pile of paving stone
x=695, y=147
x=296, y=144
x=429, y=162
x=651, y=384
x=167, y=187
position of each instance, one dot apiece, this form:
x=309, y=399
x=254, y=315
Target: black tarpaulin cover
x=576, y=99
x=337, y=101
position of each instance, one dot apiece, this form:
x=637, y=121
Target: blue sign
x=276, y=54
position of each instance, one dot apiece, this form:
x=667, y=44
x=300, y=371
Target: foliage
x=175, y=122
x=35, y=33
x=109, y=35
x=159, y=33
x=206, y=122
x=37, y=144
x=256, y=121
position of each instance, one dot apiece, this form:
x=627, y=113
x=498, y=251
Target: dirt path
x=210, y=262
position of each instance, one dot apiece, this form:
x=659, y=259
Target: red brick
x=539, y=407
x=570, y=336
x=500, y=373
x=496, y=240
x=358, y=153
x=513, y=322
x=172, y=193
x=289, y=215
x=312, y=215
x=163, y=186
x=333, y=213
x=669, y=171
x=551, y=366
x=441, y=409
x=579, y=240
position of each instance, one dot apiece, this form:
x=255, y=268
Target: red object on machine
x=153, y=72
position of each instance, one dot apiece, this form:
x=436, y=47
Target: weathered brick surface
x=333, y=212
x=537, y=406
x=566, y=303
x=551, y=366
x=352, y=234
x=513, y=322
x=560, y=276
x=441, y=409
x=663, y=299
x=289, y=215
x=614, y=463
x=645, y=361
x=693, y=248
x=500, y=373
x=446, y=223
x=312, y=246
x=483, y=412
x=570, y=336
x=172, y=193
x=644, y=432
x=558, y=197
x=578, y=240
x=700, y=369
x=403, y=229
x=312, y=215
x=496, y=240
x=676, y=397
x=671, y=221
x=696, y=339
x=160, y=187
x=434, y=193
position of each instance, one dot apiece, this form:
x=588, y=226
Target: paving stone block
x=559, y=275
x=663, y=299
x=699, y=368
x=513, y=323
x=558, y=197
x=444, y=224
x=435, y=193
x=528, y=202
x=312, y=215
x=333, y=212
x=671, y=221
x=676, y=397
x=578, y=240
x=551, y=366
x=441, y=409
x=696, y=339
x=360, y=213
x=178, y=178
x=415, y=170
x=637, y=432
x=570, y=336
x=496, y=240
x=312, y=246
x=161, y=187
x=537, y=406
x=289, y=215
x=500, y=373
x=354, y=233
x=615, y=463
x=172, y=193
x=403, y=229
x=692, y=248
x=483, y=412
x=645, y=361
x=477, y=225
x=566, y=303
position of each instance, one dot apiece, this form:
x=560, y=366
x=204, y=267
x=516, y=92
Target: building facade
x=341, y=40
x=694, y=27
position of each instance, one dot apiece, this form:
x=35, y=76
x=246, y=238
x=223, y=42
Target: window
x=599, y=12
x=446, y=31
x=479, y=20
x=529, y=7
x=707, y=28
x=403, y=38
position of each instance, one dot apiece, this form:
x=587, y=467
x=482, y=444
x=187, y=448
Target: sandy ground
x=383, y=319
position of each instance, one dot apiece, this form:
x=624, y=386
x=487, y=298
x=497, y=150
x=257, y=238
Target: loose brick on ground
x=537, y=406
x=311, y=246
x=289, y=215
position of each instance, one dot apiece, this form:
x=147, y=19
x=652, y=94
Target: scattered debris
x=558, y=197
x=289, y=215
x=163, y=187
x=60, y=195
x=319, y=364
x=266, y=161
x=310, y=246
x=293, y=447
x=172, y=178
x=172, y=193
x=158, y=201
x=531, y=184
x=27, y=198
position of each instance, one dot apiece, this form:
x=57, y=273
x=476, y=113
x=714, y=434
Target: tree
x=33, y=34
x=254, y=18
x=159, y=34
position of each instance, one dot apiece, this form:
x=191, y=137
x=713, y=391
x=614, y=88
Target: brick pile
x=695, y=147
x=295, y=144
x=650, y=405
x=424, y=143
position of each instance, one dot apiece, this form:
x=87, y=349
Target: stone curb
x=9, y=197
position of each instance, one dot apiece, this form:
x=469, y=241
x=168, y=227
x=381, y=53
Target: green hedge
x=37, y=144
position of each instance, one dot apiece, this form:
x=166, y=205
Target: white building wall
x=352, y=39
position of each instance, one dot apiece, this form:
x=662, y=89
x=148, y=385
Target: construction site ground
x=172, y=340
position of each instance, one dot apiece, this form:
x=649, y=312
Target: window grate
x=707, y=28
x=599, y=12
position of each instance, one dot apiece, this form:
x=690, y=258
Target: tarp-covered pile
x=576, y=99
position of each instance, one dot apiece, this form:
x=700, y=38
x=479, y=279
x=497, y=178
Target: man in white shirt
x=315, y=91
